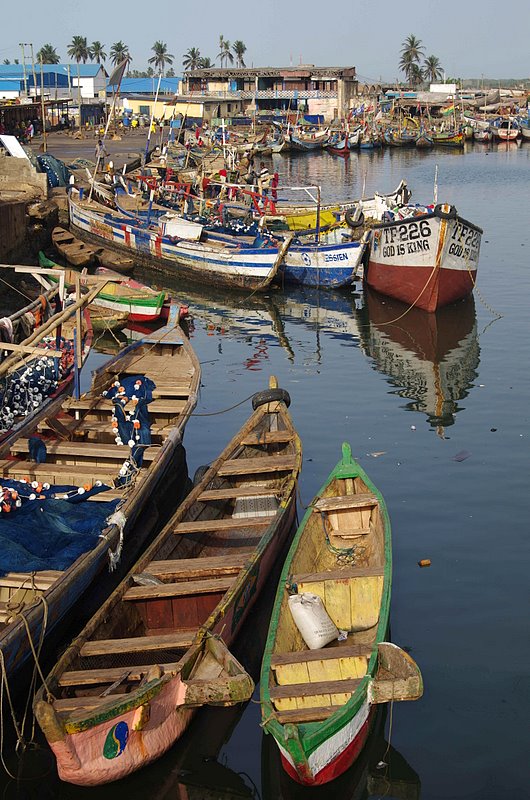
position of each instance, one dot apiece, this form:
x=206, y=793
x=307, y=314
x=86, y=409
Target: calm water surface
x=409, y=396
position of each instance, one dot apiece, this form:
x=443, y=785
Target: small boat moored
x=323, y=675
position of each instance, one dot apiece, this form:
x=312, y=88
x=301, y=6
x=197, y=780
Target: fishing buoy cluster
x=120, y=397
x=30, y=386
x=16, y=493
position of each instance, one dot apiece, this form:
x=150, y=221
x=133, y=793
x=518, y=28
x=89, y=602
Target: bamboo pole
x=52, y=323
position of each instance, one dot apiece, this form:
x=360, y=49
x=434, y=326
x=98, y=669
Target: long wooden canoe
x=77, y=253
x=318, y=704
x=157, y=649
x=78, y=448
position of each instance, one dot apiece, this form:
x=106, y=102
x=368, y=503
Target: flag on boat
x=448, y=110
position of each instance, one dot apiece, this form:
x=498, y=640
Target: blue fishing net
x=56, y=171
x=50, y=533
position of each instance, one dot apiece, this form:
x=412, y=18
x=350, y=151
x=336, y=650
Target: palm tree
x=96, y=52
x=48, y=55
x=161, y=56
x=225, y=53
x=192, y=59
x=120, y=52
x=432, y=69
x=205, y=63
x=411, y=52
x=415, y=75
x=78, y=49
x=239, y=49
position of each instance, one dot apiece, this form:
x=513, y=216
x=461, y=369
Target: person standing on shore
x=101, y=152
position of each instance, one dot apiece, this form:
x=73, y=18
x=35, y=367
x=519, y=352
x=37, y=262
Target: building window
x=145, y=110
x=228, y=108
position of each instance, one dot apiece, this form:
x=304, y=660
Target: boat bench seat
x=41, y=580
x=339, y=574
x=321, y=654
x=178, y=640
x=180, y=589
x=345, y=502
x=221, y=524
x=93, y=677
x=68, y=705
x=301, y=715
x=302, y=696
x=235, y=492
x=249, y=466
x=163, y=406
x=97, y=450
x=75, y=474
x=201, y=567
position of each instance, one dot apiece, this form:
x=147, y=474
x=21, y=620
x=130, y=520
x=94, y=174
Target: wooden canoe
x=82, y=452
x=105, y=319
x=115, y=261
x=157, y=649
x=318, y=704
x=141, y=303
x=76, y=252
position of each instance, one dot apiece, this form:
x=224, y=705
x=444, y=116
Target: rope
x=224, y=410
x=22, y=294
x=486, y=305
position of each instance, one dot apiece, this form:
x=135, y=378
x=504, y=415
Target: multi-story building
x=323, y=91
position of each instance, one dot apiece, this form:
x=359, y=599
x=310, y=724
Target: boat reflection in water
x=432, y=358
x=380, y=771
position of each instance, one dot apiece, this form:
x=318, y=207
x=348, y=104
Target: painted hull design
x=426, y=261
x=219, y=265
x=318, y=701
x=323, y=264
x=207, y=568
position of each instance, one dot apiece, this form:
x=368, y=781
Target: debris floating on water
x=462, y=455
x=424, y=562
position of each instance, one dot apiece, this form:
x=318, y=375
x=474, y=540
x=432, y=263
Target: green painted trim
x=311, y=735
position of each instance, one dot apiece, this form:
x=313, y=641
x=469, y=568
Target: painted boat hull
x=426, y=261
x=324, y=265
x=194, y=261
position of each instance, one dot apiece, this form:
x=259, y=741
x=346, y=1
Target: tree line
x=80, y=51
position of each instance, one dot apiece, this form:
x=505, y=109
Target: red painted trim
x=340, y=764
x=406, y=284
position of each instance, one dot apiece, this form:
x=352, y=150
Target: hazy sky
x=470, y=38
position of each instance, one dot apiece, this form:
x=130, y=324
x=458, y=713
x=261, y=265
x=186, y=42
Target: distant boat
x=483, y=135
x=449, y=138
x=308, y=141
x=507, y=131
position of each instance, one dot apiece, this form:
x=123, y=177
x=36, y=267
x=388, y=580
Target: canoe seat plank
x=309, y=689
x=178, y=640
x=237, y=491
x=221, y=524
x=91, y=404
x=268, y=437
x=41, y=580
x=76, y=473
x=70, y=704
x=88, y=677
x=92, y=449
x=300, y=715
x=322, y=654
x=345, y=502
x=205, y=566
x=339, y=574
x=179, y=589
x=349, y=534
x=249, y=466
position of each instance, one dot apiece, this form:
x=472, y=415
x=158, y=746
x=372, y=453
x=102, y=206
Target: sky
x=469, y=37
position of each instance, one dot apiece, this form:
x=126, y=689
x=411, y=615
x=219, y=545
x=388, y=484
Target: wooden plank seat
x=90, y=404
x=203, y=566
x=300, y=715
x=41, y=580
x=93, y=677
x=75, y=474
x=346, y=502
x=180, y=589
x=68, y=704
x=339, y=574
x=249, y=466
x=179, y=640
x=214, y=525
x=267, y=437
x=97, y=450
x=77, y=428
x=305, y=690
x=235, y=492
x=321, y=654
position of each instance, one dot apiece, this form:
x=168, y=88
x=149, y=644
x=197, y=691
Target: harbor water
x=436, y=408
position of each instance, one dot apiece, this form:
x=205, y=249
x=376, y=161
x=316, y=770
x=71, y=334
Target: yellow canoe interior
x=340, y=557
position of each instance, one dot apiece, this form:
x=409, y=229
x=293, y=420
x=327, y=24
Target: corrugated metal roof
x=8, y=85
x=148, y=85
x=17, y=70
